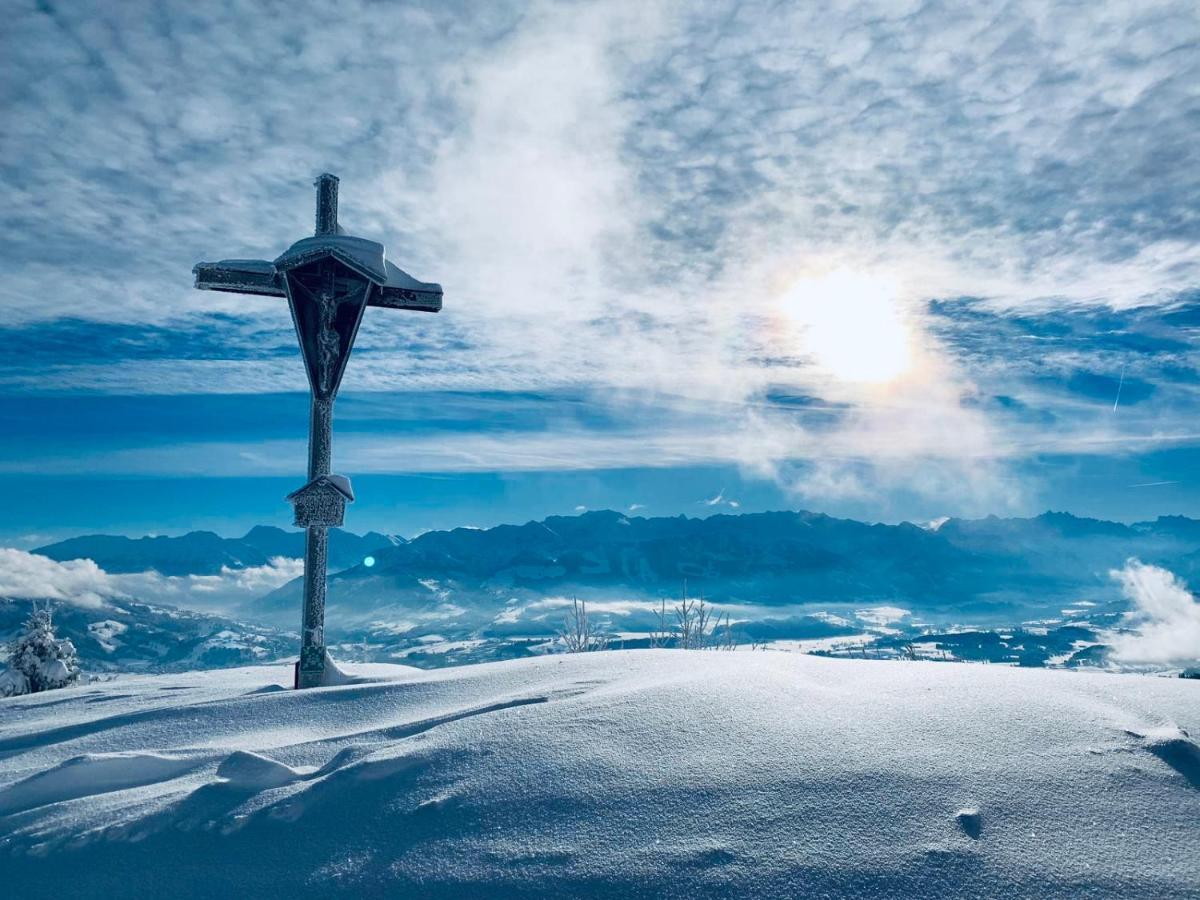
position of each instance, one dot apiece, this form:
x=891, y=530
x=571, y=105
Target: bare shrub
x=578, y=634
x=662, y=633
x=692, y=624
x=722, y=635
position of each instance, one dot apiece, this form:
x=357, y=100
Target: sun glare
x=851, y=325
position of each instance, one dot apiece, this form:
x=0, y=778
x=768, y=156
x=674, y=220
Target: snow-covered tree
x=37, y=660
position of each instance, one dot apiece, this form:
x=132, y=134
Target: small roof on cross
x=339, y=483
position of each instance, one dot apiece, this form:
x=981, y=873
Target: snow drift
x=624, y=774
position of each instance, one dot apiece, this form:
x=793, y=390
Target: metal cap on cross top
x=328, y=279
x=327, y=187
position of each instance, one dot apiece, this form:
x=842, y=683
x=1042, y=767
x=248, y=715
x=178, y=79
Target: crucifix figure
x=328, y=280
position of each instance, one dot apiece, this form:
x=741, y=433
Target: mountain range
x=471, y=594
x=510, y=580
x=984, y=569
x=206, y=553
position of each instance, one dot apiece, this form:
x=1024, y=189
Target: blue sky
x=895, y=261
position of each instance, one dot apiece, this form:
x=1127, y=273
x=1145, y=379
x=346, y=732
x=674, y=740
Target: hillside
x=631, y=774
x=129, y=636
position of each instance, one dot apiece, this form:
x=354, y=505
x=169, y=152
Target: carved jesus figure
x=328, y=342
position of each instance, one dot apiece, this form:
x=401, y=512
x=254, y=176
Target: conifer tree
x=42, y=660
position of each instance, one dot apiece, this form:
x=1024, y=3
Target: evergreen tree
x=42, y=660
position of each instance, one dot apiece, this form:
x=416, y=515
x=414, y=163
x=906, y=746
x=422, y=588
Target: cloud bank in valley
x=27, y=576
x=81, y=582
x=1164, y=622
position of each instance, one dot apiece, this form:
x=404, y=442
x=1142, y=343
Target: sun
x=852, y=325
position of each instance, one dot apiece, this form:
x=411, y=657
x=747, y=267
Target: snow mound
x=254, y=772
x=642, y=773
x=1174, y=747
x=91, y=774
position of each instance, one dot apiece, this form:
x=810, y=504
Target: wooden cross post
x=329, y=280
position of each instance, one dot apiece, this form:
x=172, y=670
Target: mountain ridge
x=781, y=558
x=207, y=553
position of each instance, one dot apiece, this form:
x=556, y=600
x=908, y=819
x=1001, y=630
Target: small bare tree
x=577, y=634
x=660, y=634
x=692, y=624
x=723, y=634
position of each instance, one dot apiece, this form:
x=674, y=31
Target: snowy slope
x=627, y=774
x=125, y=635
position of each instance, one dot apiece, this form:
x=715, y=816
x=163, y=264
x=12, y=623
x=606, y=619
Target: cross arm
x=402, y=291
x=258, y=276
x=239, y=276
x=395, y=298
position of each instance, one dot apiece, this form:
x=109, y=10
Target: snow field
x=620, y=774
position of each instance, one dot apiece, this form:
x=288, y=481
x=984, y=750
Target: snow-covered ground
x=625, y=774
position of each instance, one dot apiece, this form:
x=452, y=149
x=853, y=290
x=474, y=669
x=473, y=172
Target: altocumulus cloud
x=623, y=200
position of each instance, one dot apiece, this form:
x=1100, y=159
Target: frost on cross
x=328, y=279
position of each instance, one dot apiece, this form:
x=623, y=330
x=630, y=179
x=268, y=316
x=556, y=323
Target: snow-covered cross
x=328, y=280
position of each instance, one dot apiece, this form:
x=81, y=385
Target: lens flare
x=852, y=325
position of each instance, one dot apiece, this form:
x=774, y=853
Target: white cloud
x=27, y=576
x=881, y=615
x=82, y=582
x=1164, y=623
x=222, y=592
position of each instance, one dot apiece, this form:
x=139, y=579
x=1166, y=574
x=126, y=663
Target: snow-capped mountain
x=1037, y=591
x=985, y=570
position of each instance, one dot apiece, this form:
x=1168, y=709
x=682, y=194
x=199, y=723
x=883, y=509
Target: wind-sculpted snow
x=623, y=774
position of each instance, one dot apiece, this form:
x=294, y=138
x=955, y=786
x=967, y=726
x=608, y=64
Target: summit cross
x=329, y=280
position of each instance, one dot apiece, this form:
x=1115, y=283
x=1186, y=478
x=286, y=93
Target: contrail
x=1120, y=384
x=1153, y=483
